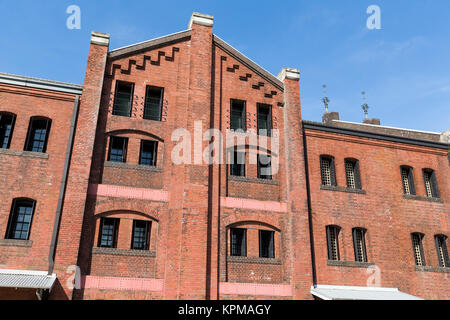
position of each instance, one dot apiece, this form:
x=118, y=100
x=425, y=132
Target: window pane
x=108, y=232
x=360, y=250
x=117, y=149
x=123, y=99
x=333, y=249
x=141, y=235
x=21, y=220
x=266, y=244
x=153, y=103
x=148, y=153
x=6, y=127
x=238, y=242
x=417, y=245
x=264, y=167
x=350, y=174
x=325, y=168
x=264, y=120
x=238, y=115
x=238, y=165
x=37, y=135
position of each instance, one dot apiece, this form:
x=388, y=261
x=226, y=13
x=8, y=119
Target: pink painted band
x=240, y=203
x=128, y=192
x=110, y=283
x=255, y=289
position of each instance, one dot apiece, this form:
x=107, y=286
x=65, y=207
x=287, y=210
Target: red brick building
x=106, y=193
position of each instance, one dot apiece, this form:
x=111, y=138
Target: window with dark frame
x=7, y=121
x=407, y=180
x=441, y=247
x=419, y=257
x=123, y=99
x=118, y=149
x=154, y=98
x=149, y=151
x=141, y=235
x=237, y=167
x=38, y=132
x=333, y=243
x=352, y=174
x=264, y=120
x=430, y=181
x=327, y=171
x=238, y=115
x=20, y=220
x=266, y=244
x=359, y=244
x=264, y=167
x=238, y=243
x=109, y=229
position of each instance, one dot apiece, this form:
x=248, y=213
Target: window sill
x=432, y=269
x=123, y=165
x=252, y=180
x=349, y=264
x=420, y=198
x=26, y=154
x=15, y=243
x=254, y=260
x=123, y=252
x=342, y=189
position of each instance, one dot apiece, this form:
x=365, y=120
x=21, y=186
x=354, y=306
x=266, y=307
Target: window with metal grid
x=109, y=228
x=7, y=121
x=359, y=244
x=118, y=149
x=332, y=242
x=154, y=98
x=441, y=247
x=264, y=167
x=238, y=116
x=408, y=181
x=352, y=174
x=327, y=171
x=266, y=244
x=264, y=119
x=418, y=249
x=123, y=99
x=149, y=151
x=22, y=212
x=237, y=167
x=38, y=132
x=141, y=235
x=238, y=242
x=431, y=188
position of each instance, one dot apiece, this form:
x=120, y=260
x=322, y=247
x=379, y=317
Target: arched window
x=327, y=170
x=352, y=174
x=333, y=242
x=7, y=121
x=419, y=257
x=441, y=247
x=431, y=187
x=407, y=180
x=38, y=133
x=20, y=219
x=359, y=243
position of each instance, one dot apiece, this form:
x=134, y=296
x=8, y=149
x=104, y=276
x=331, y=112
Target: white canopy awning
x=25, y=279
x=326, y=292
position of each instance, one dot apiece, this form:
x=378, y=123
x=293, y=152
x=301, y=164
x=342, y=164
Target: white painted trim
x=202, y=19
x=379, y=126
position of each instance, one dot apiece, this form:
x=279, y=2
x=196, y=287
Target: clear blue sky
x=404, y=67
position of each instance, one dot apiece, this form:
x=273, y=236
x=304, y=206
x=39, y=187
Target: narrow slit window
x=109, y=228
x=359, y=245
x=352, y=174
x=418, y=249
x=238, y=118
x=21, y=217
x=38, y=132
x=149, y=150
x=141, y=235
x=266, y=244
x=123, y=99
x=6, y=129
x=237, y=168
x=431, y=188
x=327, y=171
x=441, y=247
x=264, y=167
x=264, y=120
x=408, y=181
x=153, y=103
x=118, y=149
x=333, y=243
x=238, y=242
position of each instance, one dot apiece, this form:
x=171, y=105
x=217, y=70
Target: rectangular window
x=38, y=133
x=352, y=174
x=123, y=99
x=408, y=181
x=264, y=120
x=266, y=244
x=141, y=235
x=238, y=117
x=418, y=249
x=22, y=212
x=6, y=129
x=238, y=242
x=109, y=228
x=264, y=167
x=153, y=103
x=327, y=171
x=333, y=244
x=118, y=149
x=441, y=247
x=149, y=150
x=359, y=245
x=237, y=168
x=431, y=188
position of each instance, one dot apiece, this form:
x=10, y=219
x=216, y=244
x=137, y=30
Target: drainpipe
x=310, y=220
x=62, y=190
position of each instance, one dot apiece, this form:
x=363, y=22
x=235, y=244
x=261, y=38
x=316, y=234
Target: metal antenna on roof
x=365, y=106
x=325, y=99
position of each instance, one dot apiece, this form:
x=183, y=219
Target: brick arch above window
x=126, y=214
x=257, y=224
x=151, y=210
x=136, y=132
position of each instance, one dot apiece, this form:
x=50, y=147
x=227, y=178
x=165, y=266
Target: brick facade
x=191, y=207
